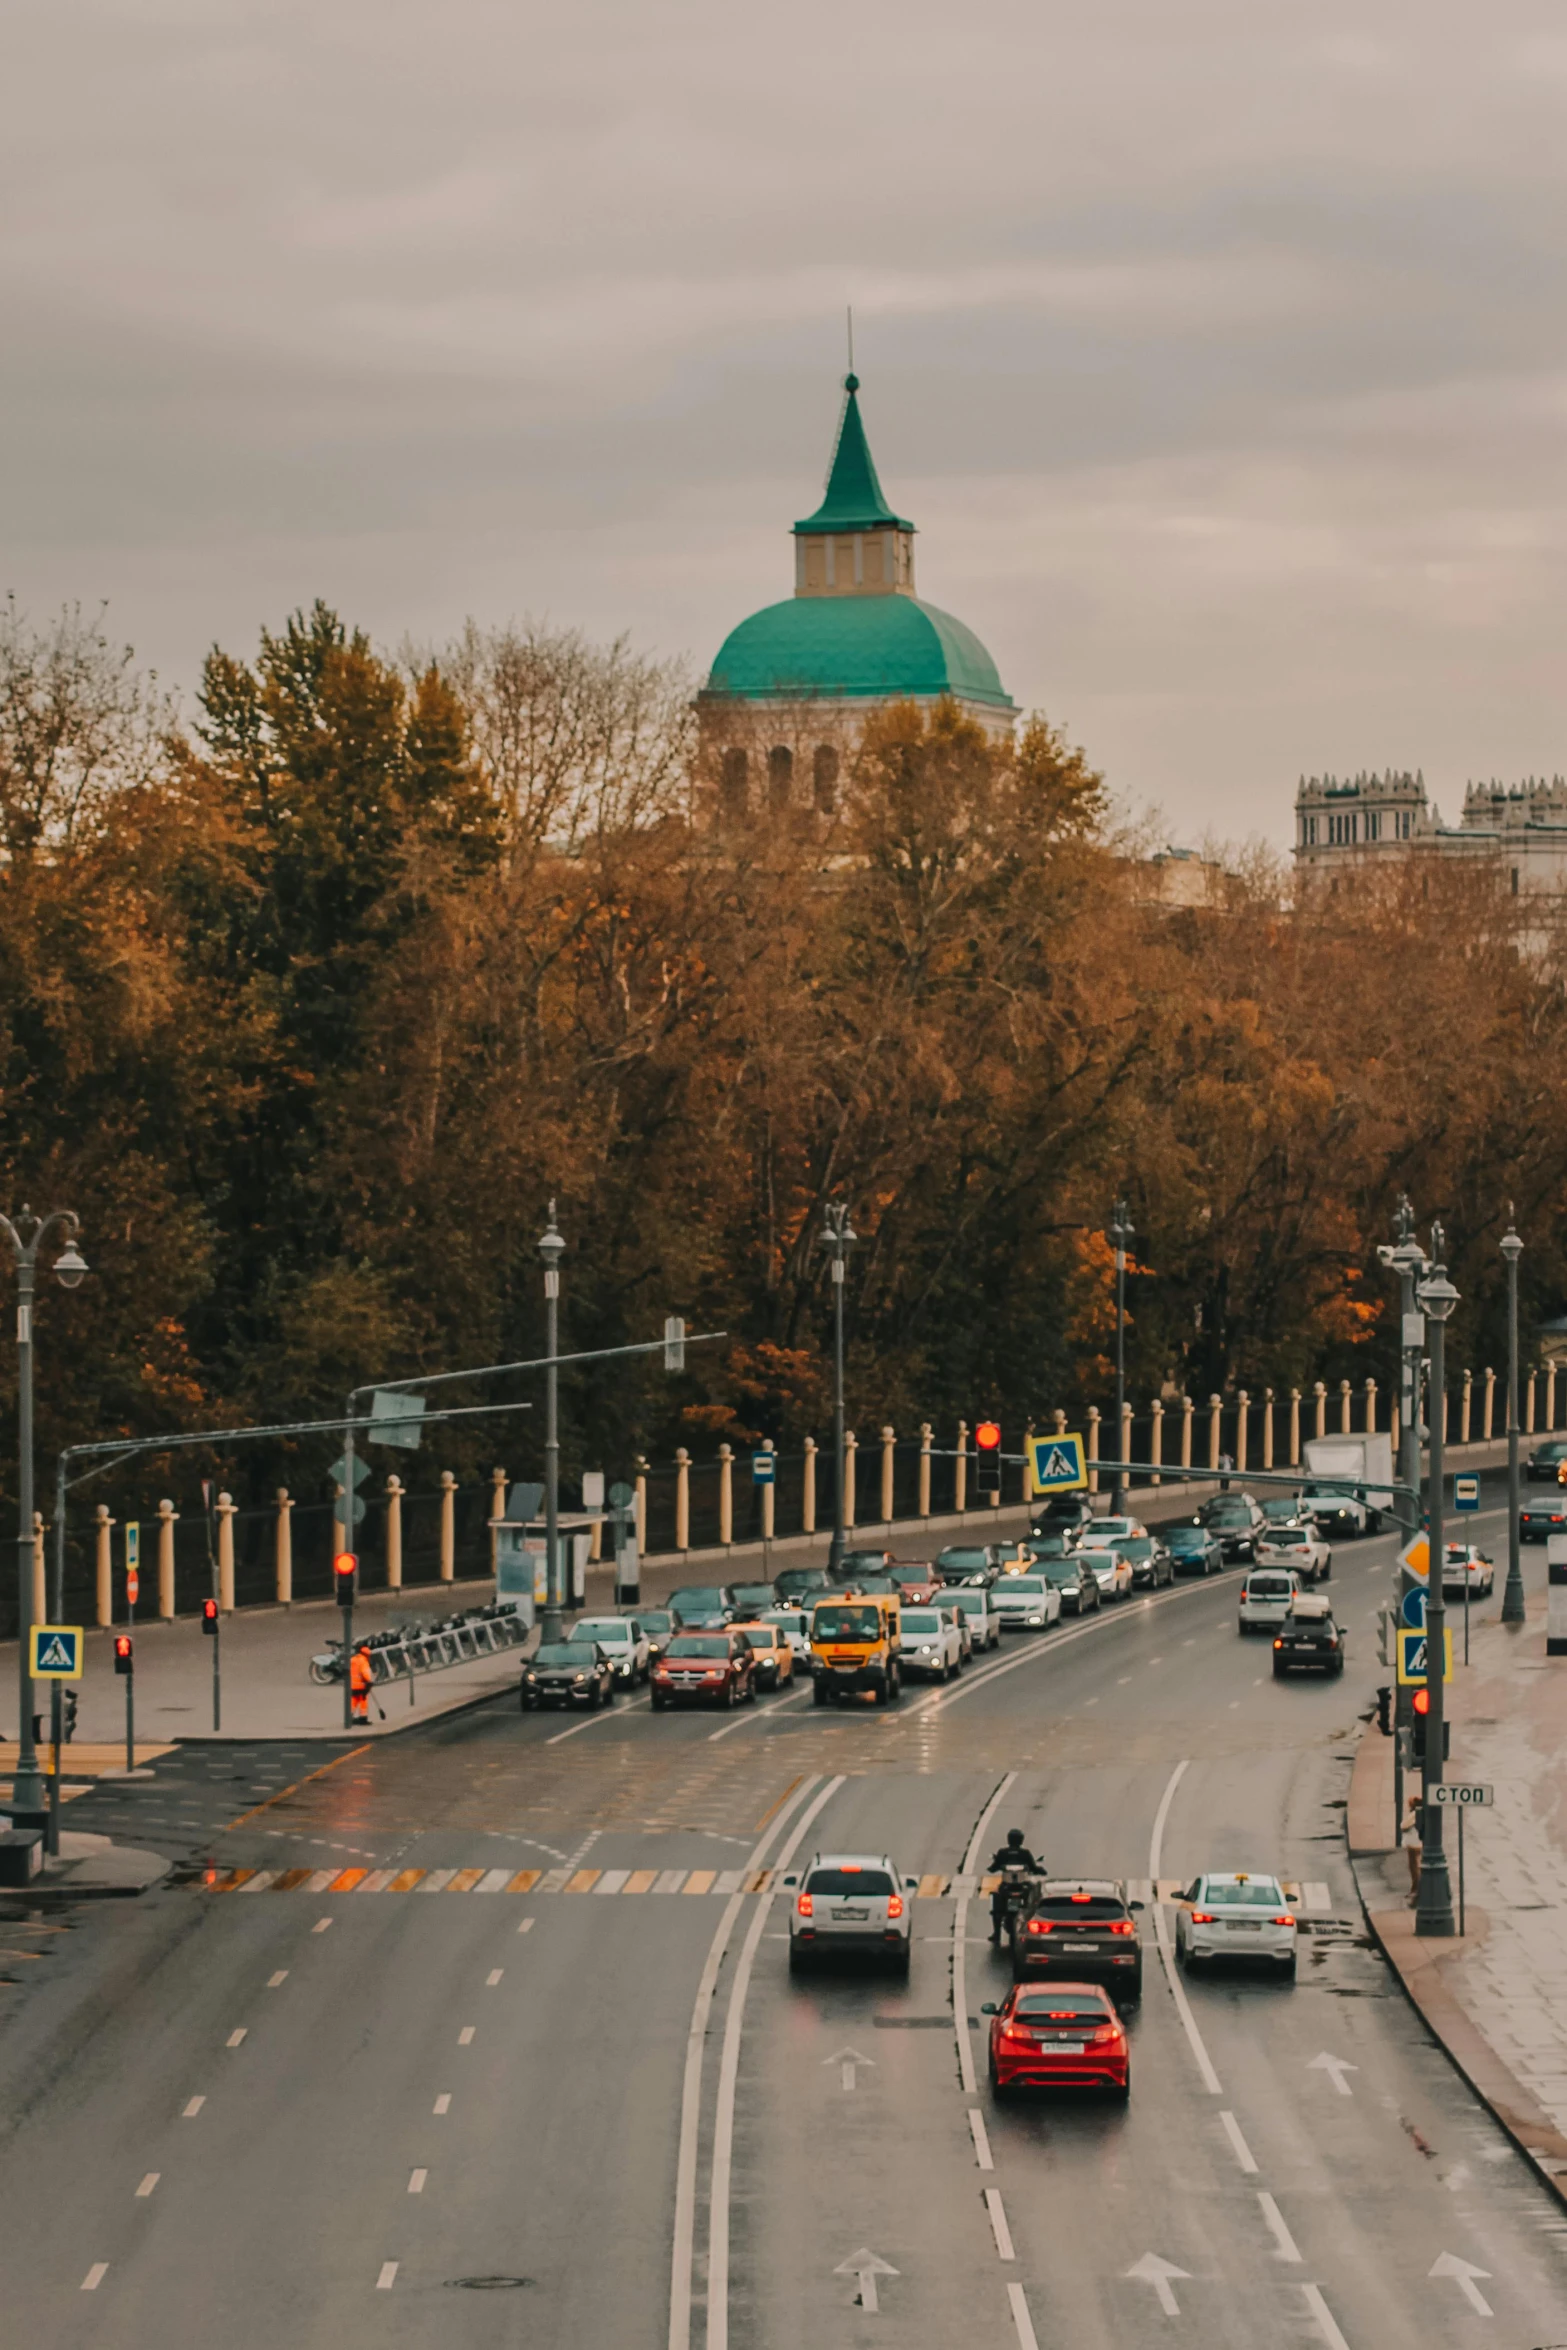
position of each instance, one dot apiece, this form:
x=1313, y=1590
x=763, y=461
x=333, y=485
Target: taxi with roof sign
x=1244, y=1915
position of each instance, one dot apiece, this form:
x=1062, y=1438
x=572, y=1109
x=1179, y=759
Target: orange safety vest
x=359, y=1673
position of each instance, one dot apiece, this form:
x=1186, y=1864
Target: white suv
x=624, y=1643
x=929, y=1642
x=846, y=1903
x=1265, y=1598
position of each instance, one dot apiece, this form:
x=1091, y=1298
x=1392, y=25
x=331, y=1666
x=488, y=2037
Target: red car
x=705, y=1668
x=918, y=1581
x=1066, y=2037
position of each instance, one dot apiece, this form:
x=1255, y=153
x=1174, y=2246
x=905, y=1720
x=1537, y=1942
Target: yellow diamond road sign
x=55, y=1652
x=1416, y=1556
x=1056, y=1464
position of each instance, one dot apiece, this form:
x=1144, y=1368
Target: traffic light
x=1385, y=1710
x=1420, y=1700
x=209, y=1618
x=345, y=1574
x=987, y=1439
x=124, y=1653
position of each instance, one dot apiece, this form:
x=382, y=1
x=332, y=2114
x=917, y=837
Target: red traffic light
x=988, y=1436
x=1421, y=1701
x=345, y=1568
x=209, y=1617
x=123, y=1647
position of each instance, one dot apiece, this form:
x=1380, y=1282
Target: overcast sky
x=1215, y=346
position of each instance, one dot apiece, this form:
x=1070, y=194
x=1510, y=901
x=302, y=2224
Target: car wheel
x=900, y=1965
x=819, y=1692
x=1122, y=2089
x=609, y=1693
x=659, y=1702
x=998, y=2090
x=1326, y=1575
x=1189, y=1959
x=1278, y=1670
x=1287, y=1969
x=1133, y=1995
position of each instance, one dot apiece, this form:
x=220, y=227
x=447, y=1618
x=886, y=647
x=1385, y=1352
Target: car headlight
x=579, y=1676
x=530, y=1676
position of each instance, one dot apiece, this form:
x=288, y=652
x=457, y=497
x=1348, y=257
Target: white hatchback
x=930, y=1643
x=624, y=1643
x=979, y=1607
x=1265, y=1597
x=1110, y=1570
x=1240, y=1916
x=1030, y=1603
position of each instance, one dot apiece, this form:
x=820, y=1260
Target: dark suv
x=1234, y=1521
x=1065, y=1513
x=1081, y=1930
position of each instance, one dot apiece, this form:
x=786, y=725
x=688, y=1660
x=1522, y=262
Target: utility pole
x=840, y=1238
x=1121, y=1233
x=1434, y=1905
x=1512, y=1595
x=552, y=1248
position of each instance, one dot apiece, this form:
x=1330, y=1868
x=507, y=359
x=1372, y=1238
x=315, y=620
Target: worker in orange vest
x=359, y=1685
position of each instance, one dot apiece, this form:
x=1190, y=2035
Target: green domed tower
x=854, y=636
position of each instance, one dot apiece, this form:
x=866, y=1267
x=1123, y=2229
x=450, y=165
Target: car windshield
x=1255, y=1893
x=759, y=1635
x=1280, y=1510
x=849, y=1880
x=1080, y=1906
x=867, y=1559
x=1134, y=1546
x=566, y=1652
x=699, y=1599
x=656, y=1619
x=698, y=1644
x=903, y=1576
x=968, y=1560
x=615, y=1634
x=749, y=1595
x=924, y=1622
x=1033, y=1584
x=1187, y=1538
x=973, y=1603
x=1060, y=2007
x=1226, y=1513
x=846, y=1623
x=1061, y=1571
x=1046, y=1546
x=1101, y=1561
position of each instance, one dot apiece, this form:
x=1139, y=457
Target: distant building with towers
x=1363, y=820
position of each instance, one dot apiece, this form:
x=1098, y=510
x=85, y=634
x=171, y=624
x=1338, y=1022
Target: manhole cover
x=489, y=2284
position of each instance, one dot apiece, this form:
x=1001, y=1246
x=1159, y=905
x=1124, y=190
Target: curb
x=153, y=1871
x=1419, y=1965
x=378, y=1736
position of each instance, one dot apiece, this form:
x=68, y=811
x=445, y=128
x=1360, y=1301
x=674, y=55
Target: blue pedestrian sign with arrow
x=55, y=1652
x=1466, y=1493
x=1056, y=1464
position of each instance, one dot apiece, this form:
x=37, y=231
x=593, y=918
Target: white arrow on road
x=1151, y=2270
x=1337, y=2067
x=867, y=2266
x=848, y=2058
x=1463, y=2274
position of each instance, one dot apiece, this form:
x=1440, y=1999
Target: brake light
x=1283, y=1919
x=1108, y=2035
x=1203, y=1917
x=1082, y=1897
x=1122, y=1926
x=849, y=1868
x=1278, y=1644
x=895, y=1906
x=805, y=1907
x=1040, y=1926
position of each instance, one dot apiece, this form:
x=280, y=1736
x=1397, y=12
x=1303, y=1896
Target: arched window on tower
x=735, y=783
x=780, y=777
x=824, y=779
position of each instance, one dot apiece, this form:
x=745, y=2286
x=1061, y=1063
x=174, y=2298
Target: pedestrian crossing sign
x=1056, y=1464
x=55, y=1652
x=1412, y=1655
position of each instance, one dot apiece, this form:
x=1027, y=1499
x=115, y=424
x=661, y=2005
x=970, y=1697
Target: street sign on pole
x=762, y=1468
x=395, y=1419
x=1412, y=1655
x=132, y=1545
x=1057, y=1464
x=1415, y=1557
x=55, y=1652
x=1465, y=1794
x=338, y=1472
x=1466, y=1493
x=1412, y=1610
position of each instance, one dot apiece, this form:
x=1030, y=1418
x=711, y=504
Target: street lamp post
x=1120, y=1234
x=1512, y=1595
x=840, y=1237
x=27, y=1235
x=1434, y=1904
x=552, y=1248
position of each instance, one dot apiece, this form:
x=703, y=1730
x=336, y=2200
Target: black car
x=1308, y=1640
x=1081, y=1930
x=972, y=1562
x=1064, y=1513
x=704, y=1607
x=797, y=1586
x=1539, y=1520
x=1194, y=1551
x=1234, y=1520
x=1545, y=1460
x=1151, y=1562
x=1076, y=1581
x=567, y=1672
x=1054, y=1543
x=659, y=1624
x=751, y=1598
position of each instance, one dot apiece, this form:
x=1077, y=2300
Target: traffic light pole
x=1434, y=1905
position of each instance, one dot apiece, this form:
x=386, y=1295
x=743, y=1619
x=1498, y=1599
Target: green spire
x=854, y=498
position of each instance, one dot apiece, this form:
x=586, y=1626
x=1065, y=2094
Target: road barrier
x=404, y=1653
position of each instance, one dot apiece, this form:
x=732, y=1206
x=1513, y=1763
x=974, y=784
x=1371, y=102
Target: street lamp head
x=70, y=1265
x=1408, y=1257
x=840, y=1232
x=1437, y=1295
x=1511, y=1246
x=551, y=1246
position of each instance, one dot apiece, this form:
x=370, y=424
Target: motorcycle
x=1012, y=1898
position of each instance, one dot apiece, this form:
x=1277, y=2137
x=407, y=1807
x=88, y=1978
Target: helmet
x=1014, y=1836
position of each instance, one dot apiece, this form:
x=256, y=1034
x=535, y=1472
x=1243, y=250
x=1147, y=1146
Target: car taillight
x=1283, y=1919
x=1107, y=2035
x=805, y=1907
x=1122, y=1926
x=1083, y=1897
x=895, y=1906
x=1278, y=1644
x=1018, y=2037
x=1040, y=1926
x=1203, y=1917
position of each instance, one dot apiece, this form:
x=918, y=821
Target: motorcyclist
x=1013, y=1854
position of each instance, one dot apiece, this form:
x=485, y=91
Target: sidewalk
x=1497, y=1999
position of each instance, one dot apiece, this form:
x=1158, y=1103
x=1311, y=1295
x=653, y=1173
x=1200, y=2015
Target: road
x=325, y=2111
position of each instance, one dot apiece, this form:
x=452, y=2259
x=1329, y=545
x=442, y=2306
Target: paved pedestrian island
x=1311, y=1898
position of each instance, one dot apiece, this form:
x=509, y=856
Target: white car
x=979, y=1607
x=1110, y=1570
x=930, y=1642
x=795, y=1625
x=624, y=1643
x=1240, y=1916
x=1026, y=1603
x=1465, y=1567
x=850, y=1902
x=1265, y=1598
x=1300, y=1547
x=1111, y=1530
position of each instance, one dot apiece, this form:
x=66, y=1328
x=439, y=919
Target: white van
x=1265, y=1598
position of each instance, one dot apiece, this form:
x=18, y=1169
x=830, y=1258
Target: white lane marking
x=526, y=1927
x=960, y=1938
x=95, y=2276
x=273, y=1981
x=493, y=1977
x=756, y=1714
x=320, y=1927
x=847, y=2059
x=728, y=2077
x=681, y=2253
x=1210, y=2079
x=388, y=2276
x=998, y=2223
x=1288, y=2249
x=865, y=2266
x=1327, y=2323
x=235, y=2038
x=148, y=2183
x=1152, y=2270
x=1026, y=2336
x=609, y=1714
x=1243, y=2153
x=416, y=2179
x=443, y=2103
x=193, y=2108
x=1336, y=2067
x=465, y=2036
x=981, y=2137
x=1463, y=2274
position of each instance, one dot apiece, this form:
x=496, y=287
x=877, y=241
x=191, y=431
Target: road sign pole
x=1434, y=1905
x=130, y=1688
x=1460, y=1873
x=350, y=1488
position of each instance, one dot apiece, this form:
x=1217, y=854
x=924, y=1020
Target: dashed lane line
x=95, y=2276
x=1243, y=2153
x=998, y=2224
x=960, y=2024
x=1210, y=2079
